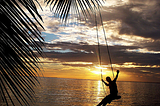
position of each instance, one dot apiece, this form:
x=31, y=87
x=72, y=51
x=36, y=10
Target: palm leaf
x=18, y=46
x=18, y=61
x=62, y=8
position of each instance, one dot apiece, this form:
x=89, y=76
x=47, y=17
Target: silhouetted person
x=113, y=90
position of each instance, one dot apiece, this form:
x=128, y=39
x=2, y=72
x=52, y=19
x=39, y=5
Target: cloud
x=132, y=30
x=138, y=63
x=88, y=53
x=138, y=18
x=79, y=52
x=144, y=50
x=134, y=18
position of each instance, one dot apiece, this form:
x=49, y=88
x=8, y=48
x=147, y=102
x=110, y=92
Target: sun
x=99, y=72
x=100, y=67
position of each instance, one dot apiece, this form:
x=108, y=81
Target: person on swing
x=113, y=90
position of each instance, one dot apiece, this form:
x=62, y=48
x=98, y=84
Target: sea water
x=76, y=92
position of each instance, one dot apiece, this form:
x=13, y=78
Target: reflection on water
x=60, y=92
x=74, y=92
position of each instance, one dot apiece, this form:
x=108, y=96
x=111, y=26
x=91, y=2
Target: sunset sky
x=133, y=31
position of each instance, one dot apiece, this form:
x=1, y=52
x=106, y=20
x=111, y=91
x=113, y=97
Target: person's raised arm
x=105, y=83
x=115, y=79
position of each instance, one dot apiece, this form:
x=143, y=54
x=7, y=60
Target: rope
x=99, y=52
x=106, y=42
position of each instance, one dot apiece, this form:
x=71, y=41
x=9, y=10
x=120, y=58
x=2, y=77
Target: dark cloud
x=139, y=23
x=152, y=45
x=77, y=55
x=139, y=18
x=118, y=54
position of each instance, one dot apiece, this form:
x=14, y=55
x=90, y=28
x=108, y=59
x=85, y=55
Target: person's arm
x=115, y=79
x=105, y=83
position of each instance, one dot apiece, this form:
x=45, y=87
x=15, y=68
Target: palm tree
x=62, y=8
x=18, y=61
x=18, y=48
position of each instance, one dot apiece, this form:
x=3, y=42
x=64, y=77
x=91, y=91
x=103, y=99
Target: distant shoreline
x=99, y=80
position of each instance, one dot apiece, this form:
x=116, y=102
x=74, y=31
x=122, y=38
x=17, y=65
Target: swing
x=109, y=98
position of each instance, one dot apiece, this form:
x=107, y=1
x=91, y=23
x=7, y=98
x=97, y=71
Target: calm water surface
x=75, y=92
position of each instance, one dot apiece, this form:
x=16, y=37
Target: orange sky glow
x=83, y=72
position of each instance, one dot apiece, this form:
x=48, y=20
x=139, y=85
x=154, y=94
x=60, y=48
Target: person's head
x=108, y=79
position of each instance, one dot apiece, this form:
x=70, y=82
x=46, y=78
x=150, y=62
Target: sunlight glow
x=98, y=72
x=84, y=63
x=100, y=67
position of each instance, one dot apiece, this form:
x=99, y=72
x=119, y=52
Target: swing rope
x=107, y=47
x=106, y=42
x=99, y=52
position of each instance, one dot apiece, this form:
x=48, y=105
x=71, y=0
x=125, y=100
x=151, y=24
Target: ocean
x=77, y=92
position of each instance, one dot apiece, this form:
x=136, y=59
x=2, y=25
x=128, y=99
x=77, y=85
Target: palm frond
x=18, y=36
x=62, y=8
x=18, y=61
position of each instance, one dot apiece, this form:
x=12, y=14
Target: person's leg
x=104, y=104
x=107, y=100
x=103, y=101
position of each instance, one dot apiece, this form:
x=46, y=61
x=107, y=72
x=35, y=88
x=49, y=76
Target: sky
x=132, y=29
